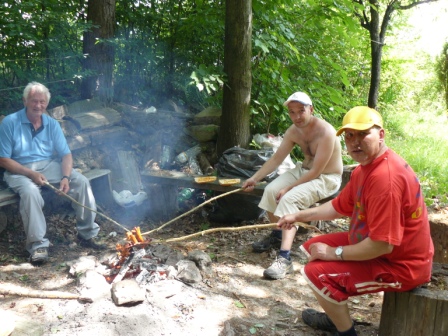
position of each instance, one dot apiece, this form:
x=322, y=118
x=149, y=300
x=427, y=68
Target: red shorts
x=336, y=281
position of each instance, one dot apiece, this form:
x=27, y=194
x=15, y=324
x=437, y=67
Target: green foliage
x=441, y=68
x=295, y=50
x=416, y=131
x=166, y=50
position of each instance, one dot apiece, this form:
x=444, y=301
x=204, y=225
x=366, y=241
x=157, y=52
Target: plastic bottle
x=185, y=194
x=189, y=153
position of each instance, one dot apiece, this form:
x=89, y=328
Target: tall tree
x=100, y=52
x=377, y=27
x=235, y=119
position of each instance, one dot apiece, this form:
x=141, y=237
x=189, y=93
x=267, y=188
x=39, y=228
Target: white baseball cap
x=300, y=97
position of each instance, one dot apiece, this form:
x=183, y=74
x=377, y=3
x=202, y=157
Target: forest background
x=170, y=50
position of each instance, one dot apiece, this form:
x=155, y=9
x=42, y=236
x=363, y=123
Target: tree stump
x=420, y=312
x=438, y=224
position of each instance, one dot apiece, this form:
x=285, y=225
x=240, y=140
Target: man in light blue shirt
x=34, y=151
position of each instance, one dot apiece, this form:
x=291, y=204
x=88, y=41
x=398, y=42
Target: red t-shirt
x=385, y=202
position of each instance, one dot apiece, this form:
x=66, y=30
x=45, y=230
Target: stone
x=8, y=323
x=94, y=285
x=210, y=115
x=188, y=272
x=82, y=265
x=127, y=292
x=204, y=133
x=165, y=289
x=201, y=259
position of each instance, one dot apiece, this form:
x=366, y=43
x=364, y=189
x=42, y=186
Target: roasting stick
x=192, y=210
x=239, y=228
x=73, y=200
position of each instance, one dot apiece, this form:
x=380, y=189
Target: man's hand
x=64, y=185
x=249, y=184
x=287, y=221
x=322, y=251
x=281, y=193
x=37, y=178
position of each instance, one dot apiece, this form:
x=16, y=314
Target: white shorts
x=300, y=197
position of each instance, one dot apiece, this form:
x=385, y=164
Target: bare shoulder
x=325, y=125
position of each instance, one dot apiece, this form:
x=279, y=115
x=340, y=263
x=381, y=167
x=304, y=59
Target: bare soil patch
x=234, y=300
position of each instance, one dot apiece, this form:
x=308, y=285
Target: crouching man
x=388, y=246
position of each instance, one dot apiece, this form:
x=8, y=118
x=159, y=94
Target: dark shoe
x=279, y=268
x=39, y=255
x=318, y=320
x=91, y=243
x=271, y=241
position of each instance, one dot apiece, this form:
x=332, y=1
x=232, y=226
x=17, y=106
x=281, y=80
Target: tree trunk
x=235, y=119
x=377, y=30
x=376, y=47
x=100, y=59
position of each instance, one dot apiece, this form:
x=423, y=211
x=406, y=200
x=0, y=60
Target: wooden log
x=130, y=171
x=163, y=200
x=420, y=312
x=112, y=136
x=205, y=165
x=59, y=112
x=438, y=224
x=78, y=141
x=100, y=118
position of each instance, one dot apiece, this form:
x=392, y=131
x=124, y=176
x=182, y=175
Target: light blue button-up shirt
x=17, y=141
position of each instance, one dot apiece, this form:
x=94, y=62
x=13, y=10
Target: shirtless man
x=317, y=177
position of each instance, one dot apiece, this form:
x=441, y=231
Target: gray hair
x=37, y=87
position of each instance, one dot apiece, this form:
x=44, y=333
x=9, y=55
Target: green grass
x=422, y=140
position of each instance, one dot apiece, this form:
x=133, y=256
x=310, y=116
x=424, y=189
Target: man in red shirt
x=388, y=246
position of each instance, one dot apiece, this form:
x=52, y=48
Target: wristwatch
x=67, y=177
x=338, y=252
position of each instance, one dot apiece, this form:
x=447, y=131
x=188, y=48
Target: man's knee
x=270, y=191
x=298, y=201
x=32, y=191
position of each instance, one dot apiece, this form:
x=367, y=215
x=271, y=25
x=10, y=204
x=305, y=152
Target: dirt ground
x=234, y=300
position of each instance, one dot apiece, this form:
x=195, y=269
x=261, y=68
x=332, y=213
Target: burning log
x=134, y=248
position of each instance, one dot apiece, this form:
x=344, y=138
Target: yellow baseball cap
x=361, y=118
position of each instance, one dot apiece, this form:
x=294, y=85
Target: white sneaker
x=279, y=268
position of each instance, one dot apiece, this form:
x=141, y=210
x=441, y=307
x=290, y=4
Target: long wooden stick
x=10, y=289
x=238, y=228
x=73, y=200
x=192, y=210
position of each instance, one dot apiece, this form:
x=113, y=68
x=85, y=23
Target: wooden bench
x=99, y=180
x=168, y=183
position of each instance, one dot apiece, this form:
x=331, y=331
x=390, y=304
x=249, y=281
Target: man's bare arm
x=273, y=163
x=325, y=211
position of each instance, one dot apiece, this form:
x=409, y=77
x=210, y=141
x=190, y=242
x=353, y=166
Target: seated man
x=317, y=177
x=388, y=246
x=29, y=139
